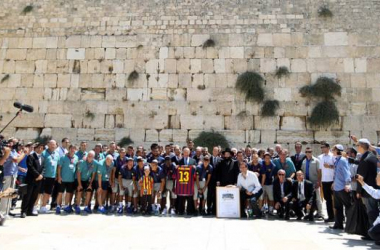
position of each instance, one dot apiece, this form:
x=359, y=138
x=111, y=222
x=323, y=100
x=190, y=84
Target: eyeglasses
x=281, y=174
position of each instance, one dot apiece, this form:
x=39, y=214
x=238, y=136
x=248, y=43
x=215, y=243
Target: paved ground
x=114, y=232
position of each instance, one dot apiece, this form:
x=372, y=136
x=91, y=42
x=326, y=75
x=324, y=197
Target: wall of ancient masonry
x=71, y=59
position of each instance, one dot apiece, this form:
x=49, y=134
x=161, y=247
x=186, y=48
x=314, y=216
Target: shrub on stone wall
x=282, y=71
x=325, y=12
x=324, y=88
x=324, y=114
x=251, y=85
x=125, y=141
x=269, y=108
x=208, y=43
x=211, y=139
x=43, y=139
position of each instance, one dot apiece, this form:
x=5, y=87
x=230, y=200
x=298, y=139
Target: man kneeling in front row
x=250, y=192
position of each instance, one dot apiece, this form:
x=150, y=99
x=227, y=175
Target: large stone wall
x=71, y=59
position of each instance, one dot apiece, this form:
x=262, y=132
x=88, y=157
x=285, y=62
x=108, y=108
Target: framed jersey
x=185, y=180
x=227, y=202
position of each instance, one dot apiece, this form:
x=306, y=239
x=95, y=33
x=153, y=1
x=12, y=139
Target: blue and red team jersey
x=184, y=176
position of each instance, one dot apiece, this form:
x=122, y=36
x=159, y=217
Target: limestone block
x=234, y=136
x=177, y=94
x=194, y=94
x=353, y=122
x=335, y=38
x=238, y=122
x=179, y=135
x=293, y=123
x=188, y=52
x=360, y=65
x=121, y=133
x=196, y=65
x=166, y=135
x=116, y=94
x=137, y=135
x=170, y=66
x=158, y=94
x=191, y=121
x=47, y=132
x=267, y=123
x=207, y=66
x=151, y=135
x=60, y=133
x=332, y=137
x=282, y=39
x=198, y=39
x=298, y=65
x=39, y=42
x=283, y=94
x=24, y=67
x=16, y=54
x=27, y=134
x=267, y=65
x=213, y=122
x=294, y=136
x=104, y=135
x=254, y=136
x=183, y=66
x=152, y=66
x=268, y=136
x=76, y=54
x=86, y=134
x=137, y=94
x=371, y=136
x=237, y=52
x=194, y=133
x=58, y=121
x=265, y=39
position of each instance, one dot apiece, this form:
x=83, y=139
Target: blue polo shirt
x=203, y=172
x=268, y=170
x=288, y=167
x=50, y=162
x=127, y=173
x=10, y=167
x=68, y=167
x=157, y=175
x=342, y=174
x=105, y=170
x=22, y=164
x=86, y=170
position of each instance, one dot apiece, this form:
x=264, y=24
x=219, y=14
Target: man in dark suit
x=368, y=169
x=211, y=190
x=182, y=199
x=303, y=197
x=282, y=194
x=33, y=180
x=298, y=157
x=227, y=171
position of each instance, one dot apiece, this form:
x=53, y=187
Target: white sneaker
x=35, y=210
x=172, y=212
x=165, y=211
x=43, y=210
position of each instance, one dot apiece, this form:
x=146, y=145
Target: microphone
x=24, y=107
x=27, y=108
x=17, y=105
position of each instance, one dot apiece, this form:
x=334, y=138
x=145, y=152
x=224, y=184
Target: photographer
x=374, y=231
x=10, y=172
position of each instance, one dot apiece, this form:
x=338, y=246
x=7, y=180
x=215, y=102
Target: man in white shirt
x=327, y=169
x=250, y=191
x=62, y=150
x=374, y=231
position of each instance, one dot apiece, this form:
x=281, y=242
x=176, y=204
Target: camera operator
x=10, y=172
x=5, y=152
x=374, y=231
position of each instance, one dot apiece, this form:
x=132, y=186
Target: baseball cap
x=207, y=157
x=139, y=158
x=146, y=168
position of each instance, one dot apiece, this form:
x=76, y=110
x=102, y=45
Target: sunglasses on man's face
x=281, y=174
x=309, y=152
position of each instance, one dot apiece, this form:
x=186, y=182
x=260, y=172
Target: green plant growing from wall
x=6, y=77
x=324, y=90
x=325, y=12
x=270, y=108
x=251, y=85
x=27, y=9
x=90, y=115
x=125, y=141
x=211, y=139
x=134, y=75
x=282, y=71
x=208, y=43
x=43, y=139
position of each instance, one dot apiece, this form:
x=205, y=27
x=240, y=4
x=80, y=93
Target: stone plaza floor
x=111, y=232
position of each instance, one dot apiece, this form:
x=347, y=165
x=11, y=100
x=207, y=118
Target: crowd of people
x=183, y=180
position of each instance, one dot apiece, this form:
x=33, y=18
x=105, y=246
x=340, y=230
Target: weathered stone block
x=58, y=121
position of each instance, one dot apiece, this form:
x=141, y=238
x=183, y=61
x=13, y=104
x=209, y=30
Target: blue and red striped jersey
x=184, y=176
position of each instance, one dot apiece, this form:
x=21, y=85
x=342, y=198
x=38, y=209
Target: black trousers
x=284, y=209
x=374, y=233
x=54, y=194
x=328, y=196
x=146, y=203
x=211, y=199
x=253, y=201
x=30, y=197
x=342, y=200
x=299, y=207
x=181, y=204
